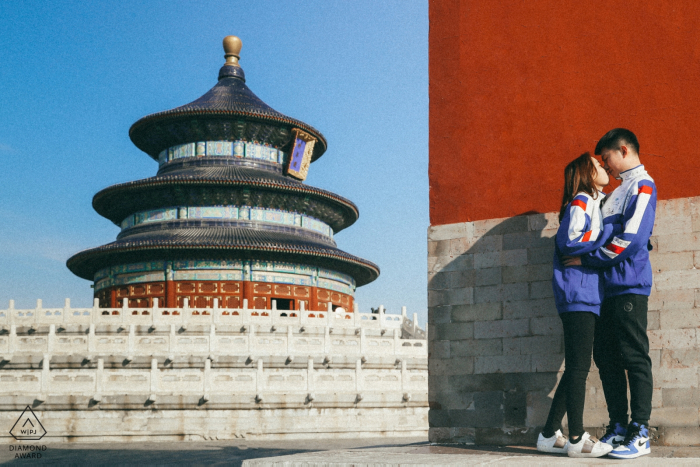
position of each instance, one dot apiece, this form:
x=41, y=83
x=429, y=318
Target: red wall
x=519, y=88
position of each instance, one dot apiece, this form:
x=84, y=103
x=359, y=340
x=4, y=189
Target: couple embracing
x=602, y=280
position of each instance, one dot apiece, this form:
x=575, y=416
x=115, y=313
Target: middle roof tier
x=224, y=181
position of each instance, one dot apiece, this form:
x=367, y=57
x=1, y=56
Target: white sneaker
x=588, y=447
x=556, y=444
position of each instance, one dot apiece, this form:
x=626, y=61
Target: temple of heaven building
x=227, y=216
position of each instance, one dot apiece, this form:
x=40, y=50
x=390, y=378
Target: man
x=621, y=341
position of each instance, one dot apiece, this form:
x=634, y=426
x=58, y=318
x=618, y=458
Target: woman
x=578, y=295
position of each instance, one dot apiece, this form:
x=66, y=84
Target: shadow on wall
x=495, y=339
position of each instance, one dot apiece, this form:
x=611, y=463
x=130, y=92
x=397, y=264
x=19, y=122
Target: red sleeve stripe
x=579, y=203
x=614, y=248
x=587, y=236
x=645, y=189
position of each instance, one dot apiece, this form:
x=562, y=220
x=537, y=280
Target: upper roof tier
x=229, y=111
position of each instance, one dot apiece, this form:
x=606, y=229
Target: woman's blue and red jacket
x=581, y=231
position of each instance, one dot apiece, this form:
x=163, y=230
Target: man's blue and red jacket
x=624, y=261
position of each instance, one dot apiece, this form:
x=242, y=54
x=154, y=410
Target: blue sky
x=76, y=75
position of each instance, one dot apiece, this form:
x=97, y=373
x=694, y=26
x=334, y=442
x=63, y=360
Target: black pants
x=570, y=395
x=621, y=343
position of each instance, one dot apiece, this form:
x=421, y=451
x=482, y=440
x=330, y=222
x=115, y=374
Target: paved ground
x=308, y=453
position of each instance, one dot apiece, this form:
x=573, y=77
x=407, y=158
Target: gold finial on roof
x=232, y=49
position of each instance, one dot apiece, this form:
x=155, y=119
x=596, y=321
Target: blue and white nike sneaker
x=614, y=435
x=636, y=443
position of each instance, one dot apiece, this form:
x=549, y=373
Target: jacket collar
x=632, y=173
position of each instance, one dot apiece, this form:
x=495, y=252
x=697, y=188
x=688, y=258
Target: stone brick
x=506, y=436
x=477, y=383
x=662, y=262
x=538, y=405
x=695, y=213
x=439, y=349
x=680, y=397
x=439, y=248
x=596, y=417
x=463, y=296
x=678, y=319
x=656, y=398
x=696, y=259
x=548, y=362
x=532, y=345
x=679, y=358
x=500, y=226
x=502, y=364
x=438, y=281
x=673, y=216
x=490, y=276
x=679, y=242
x=533, y=272
x=675, y=377
x=546, y=221
x=452, y=263
x=541, y=344
x=460, y=279
x=672, y=338
x=489, y=259
x=674, y=280
x=478, y=312
x=454, y=331
x=531, y=381
x=514, y=408
x=450, y=231
x=545, y=326
x=439, y=418
x=542, y=255
x=459, y=246
x=438, y=298
x=476, y=347
x=655, y=356
x=486, y=244
x=674, y=416
x=439, y=434
x=439, y=314
x=680, y=436
x=671, y=299
x=500, y=328
x=477, y=418
x=541, y=289
x=437, y=383
x=455, y=400
x=452, y=366
x=653, y=320
x=529, y=308
x=511, y=346
x=528, y=240
x=503, y=292
x=514, y=257
x=432, y=263
x=595, y=397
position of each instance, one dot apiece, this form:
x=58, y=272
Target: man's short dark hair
x=613, y=139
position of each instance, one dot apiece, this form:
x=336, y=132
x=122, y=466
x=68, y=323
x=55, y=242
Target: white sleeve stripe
x=620, y=242
x=635, y=221
x=609, y=253
x=594, y=235
x=577, y=222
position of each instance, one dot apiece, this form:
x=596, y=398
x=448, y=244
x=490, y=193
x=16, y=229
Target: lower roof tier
x=224, y=185
x=220, y=243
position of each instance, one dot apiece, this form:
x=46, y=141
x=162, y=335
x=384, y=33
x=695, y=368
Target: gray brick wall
x=495, y=340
